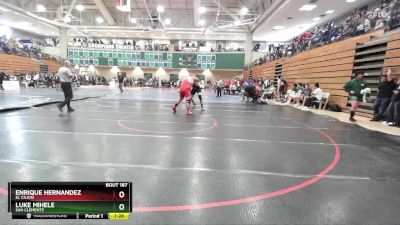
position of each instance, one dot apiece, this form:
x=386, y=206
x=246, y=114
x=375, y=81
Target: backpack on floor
x=334, y=108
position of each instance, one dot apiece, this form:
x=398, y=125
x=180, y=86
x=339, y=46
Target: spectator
x=387, y=16
x=393, y=112
x=305, y=96
x=294, y=93
x=385, y=91
x=316, y=95
x=219, y=85
x=3, y=77
x=227, y=89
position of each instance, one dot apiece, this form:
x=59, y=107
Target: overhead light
x=160, y=9
x=122, y=33
x=307, y=7
x=167, y=21
x=202, y=10
x=133, y=20
x=202, y=22
x=4, y=10
x=237, y=22
x=244, y=11
x=330, y=11
x=25, y=24
x=99, y=20
x=316, y=18
x=80, y=8
x=66, y=19
x=40, y=8
x=351, y=0
x=222, y=36
x=178, y=35
x=278, y=28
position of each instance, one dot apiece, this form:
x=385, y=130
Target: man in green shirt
x=354, y=88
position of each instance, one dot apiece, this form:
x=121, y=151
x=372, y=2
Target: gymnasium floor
x=234, y=163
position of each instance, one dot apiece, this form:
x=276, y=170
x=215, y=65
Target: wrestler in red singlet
x=186, y=86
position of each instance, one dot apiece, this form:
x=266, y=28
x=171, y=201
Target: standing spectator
x=267, y=83
x=278, y=88
x=36, y=80
x=219, y=85
x=227, y=87
x=385, y=91
x=3, y=77
x=354, y=88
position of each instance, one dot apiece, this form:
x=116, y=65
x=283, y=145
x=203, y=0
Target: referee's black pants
x=67, y=89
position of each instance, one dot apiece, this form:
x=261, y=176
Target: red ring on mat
x=277, y=193
x=121, y=124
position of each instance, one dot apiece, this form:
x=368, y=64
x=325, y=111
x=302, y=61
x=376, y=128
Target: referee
x=66, y=76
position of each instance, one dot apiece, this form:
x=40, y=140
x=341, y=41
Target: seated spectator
x=386, y=16
x=393, y=112
x=306, y=94
x=294, y=93
x=268, y=93
x=316, y=95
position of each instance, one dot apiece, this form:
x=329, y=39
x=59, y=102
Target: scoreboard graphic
x=119, y=58
x=148, y=59
x=70, y=200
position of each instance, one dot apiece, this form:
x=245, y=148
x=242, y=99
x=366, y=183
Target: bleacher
x=332, y=65
x=18, y=64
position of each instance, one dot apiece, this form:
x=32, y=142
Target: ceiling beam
x=196, y=14
x=71, y=6
x=104, y=11
x=148, y=12
x=230, y=13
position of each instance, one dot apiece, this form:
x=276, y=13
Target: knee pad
x=188, y=101
x=200, y=97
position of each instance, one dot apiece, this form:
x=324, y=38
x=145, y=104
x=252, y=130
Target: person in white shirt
x=36, y=80
x=66, y=76
x=279, y=84
x=316, y=95
x=219, y=87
